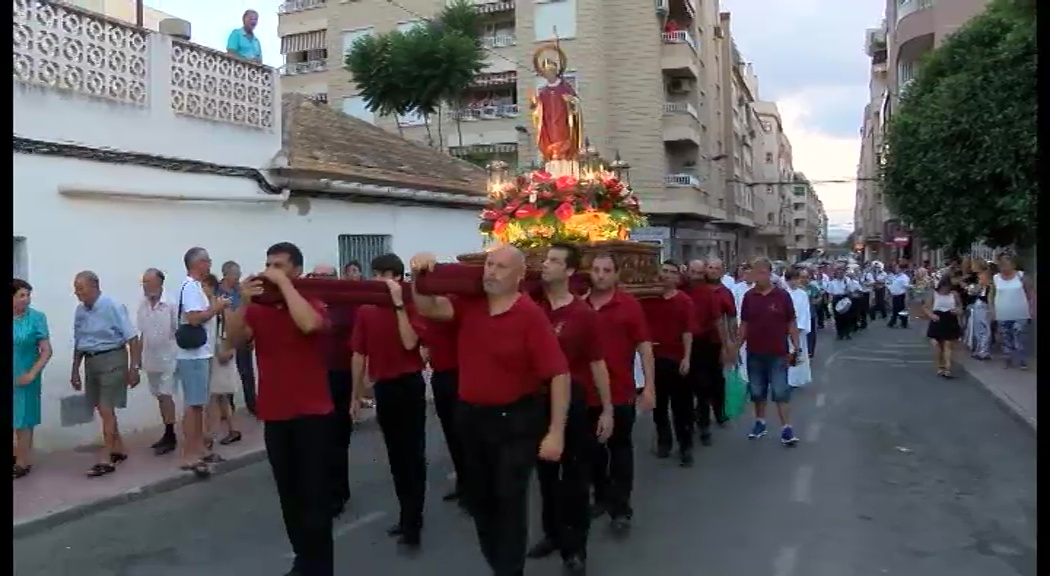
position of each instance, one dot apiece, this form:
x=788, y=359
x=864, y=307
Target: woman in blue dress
x=32, y=350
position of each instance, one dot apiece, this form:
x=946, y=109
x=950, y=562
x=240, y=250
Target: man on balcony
x=242, y=42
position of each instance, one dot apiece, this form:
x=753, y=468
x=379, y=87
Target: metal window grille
x=363, y=248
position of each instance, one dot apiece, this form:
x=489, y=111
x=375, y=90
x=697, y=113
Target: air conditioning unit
x=679, y=86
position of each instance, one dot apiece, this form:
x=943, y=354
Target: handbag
x=189, y=336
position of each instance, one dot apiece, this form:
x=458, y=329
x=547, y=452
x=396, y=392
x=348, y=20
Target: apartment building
x=124, y=10
x=911, y=28
x=810, y=221
x=774, y=173
x=662, y=84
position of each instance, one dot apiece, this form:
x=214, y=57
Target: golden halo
x=563, y=60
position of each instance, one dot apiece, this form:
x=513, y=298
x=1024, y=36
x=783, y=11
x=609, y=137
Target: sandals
x=233, y=436
x=21, y=471
x=101, y=470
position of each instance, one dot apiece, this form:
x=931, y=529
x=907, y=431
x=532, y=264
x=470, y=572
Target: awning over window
x=314, y=40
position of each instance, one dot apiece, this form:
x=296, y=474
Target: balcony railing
x=678, y=37
x=299, y=5
x=295, y=68
x=496, y=79
x=460, y=151
x=490, y=6
x=680, y=108
x=499, y=41
x=907, y=7
x=495, y=112
x=681, y=180
x=63, y=48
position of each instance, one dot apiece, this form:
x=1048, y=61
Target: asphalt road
x=898, y=472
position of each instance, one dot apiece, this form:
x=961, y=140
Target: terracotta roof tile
x=328, y=143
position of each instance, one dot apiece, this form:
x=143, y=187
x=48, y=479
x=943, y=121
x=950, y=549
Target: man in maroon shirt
x=508, y=353
x=340, y=384
x=672, y=322
x=767, y=321
x=624, y=335
x=386, y=342
x=713, y=348
x=294, y=402
x=565, y=485
x=440, y=341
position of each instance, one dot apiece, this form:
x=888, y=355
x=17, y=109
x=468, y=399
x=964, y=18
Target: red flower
x=606, y=205
x=489, y=215
x=500, y=225
x=564, y=211
x=522, y=182
x=546, y=194
x=565, y=184
x=528, y=211
x=542, y=177
x=613, y=187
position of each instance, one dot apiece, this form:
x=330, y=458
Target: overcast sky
x=808, y=55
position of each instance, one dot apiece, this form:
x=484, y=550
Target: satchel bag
x=189, y=336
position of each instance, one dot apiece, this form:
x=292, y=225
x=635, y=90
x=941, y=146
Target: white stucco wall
x=119, y=239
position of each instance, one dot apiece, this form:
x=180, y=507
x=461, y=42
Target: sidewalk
x=59, y=491
x=1015, y=389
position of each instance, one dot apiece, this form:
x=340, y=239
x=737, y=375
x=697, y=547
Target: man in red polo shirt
x=386, y=342
x=508, y=353
x=294, y=402
x=767, y=322
x=624, y=335
x=672, y=322
x=712, y=347
x=565, y=486
x=439, y=338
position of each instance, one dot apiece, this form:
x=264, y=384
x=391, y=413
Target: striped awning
x=313, y=40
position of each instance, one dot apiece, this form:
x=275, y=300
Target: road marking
x=813, y=431
x=802, y=492
x=827, y=364
x=821, y=398
x=884, y=360
x=785, y=562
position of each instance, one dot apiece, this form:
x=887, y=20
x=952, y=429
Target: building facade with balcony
x=809, y=219
x=131, y=146
x=649, y=76
x=774, y=221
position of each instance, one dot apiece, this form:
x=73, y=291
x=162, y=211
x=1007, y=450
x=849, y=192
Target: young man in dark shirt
x=386, y=341
x=294, y=402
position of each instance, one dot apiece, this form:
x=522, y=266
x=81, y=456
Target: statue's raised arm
x=556, y=115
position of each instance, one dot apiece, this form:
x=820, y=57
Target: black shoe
x=663, y=451
x=451, y=496
x=686, y=459
x=575, y=565
x=543, y=548
x=163, y=440
x=705, y=439
x=395, y=530
x=163, y=448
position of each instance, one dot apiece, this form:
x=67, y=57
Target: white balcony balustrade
x=678, y=37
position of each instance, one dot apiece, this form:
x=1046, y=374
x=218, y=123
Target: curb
x=55, y=518
x=1005, y=402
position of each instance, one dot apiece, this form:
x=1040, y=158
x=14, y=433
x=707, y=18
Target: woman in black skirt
x=943, y=308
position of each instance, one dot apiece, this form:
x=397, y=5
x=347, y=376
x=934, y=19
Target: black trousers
x=401, y=411
x=565, y=486
x=246, y=370
x=445, y=385
x=822, y=310
x=500, y=444
x=612, y=471
x=298, y=451
x=899, y=304
x=341, y=385
x=879, y=305
x=843, y=321
x=860, y=309
x=811, y=337
x=674, y=392
x=709, y=386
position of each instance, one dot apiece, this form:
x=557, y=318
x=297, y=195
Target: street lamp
x=621, y=169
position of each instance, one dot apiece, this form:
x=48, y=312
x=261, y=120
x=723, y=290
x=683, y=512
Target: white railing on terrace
x=680, y=108
x=681, y=180
x=907, y=7
x=499, y=41
x=299, y=5
x=678, y=37
x=294, y=68
x=62, y=48
x=496, y=112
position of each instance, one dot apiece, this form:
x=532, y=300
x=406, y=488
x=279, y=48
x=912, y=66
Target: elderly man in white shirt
x=157, y=320
x=897, y=284
x=839, y=288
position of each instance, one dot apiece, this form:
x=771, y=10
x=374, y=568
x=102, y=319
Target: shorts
x=768, y=376
x=106, y=379
x=161, y=383
x=193, y=375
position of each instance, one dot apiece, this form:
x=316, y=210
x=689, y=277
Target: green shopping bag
x=736, y=392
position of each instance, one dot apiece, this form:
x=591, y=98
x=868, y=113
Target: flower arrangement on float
x=538, y=208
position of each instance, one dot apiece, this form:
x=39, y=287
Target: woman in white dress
x=801, y=373
x=1012, y=304
x=224, y=380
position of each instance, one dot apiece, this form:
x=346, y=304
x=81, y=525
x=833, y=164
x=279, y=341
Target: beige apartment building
x=809, y=219
x=661, y=83
x=124, y=10
x=774, y=174
x=910, y=29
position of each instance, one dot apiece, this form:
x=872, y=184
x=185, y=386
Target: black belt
x=100, y=353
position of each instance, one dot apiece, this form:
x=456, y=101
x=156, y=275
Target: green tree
x=961, y=148
x=421, y=69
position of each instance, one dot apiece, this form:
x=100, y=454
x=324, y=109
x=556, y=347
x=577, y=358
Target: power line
x=812, y=182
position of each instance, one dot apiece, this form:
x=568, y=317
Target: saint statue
x=556, y=116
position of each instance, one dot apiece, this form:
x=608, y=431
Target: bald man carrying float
x=508, y=358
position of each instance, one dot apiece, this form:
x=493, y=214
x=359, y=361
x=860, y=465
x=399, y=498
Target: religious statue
x=556, y=116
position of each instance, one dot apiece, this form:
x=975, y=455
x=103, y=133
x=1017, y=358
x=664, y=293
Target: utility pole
x=139, y=9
